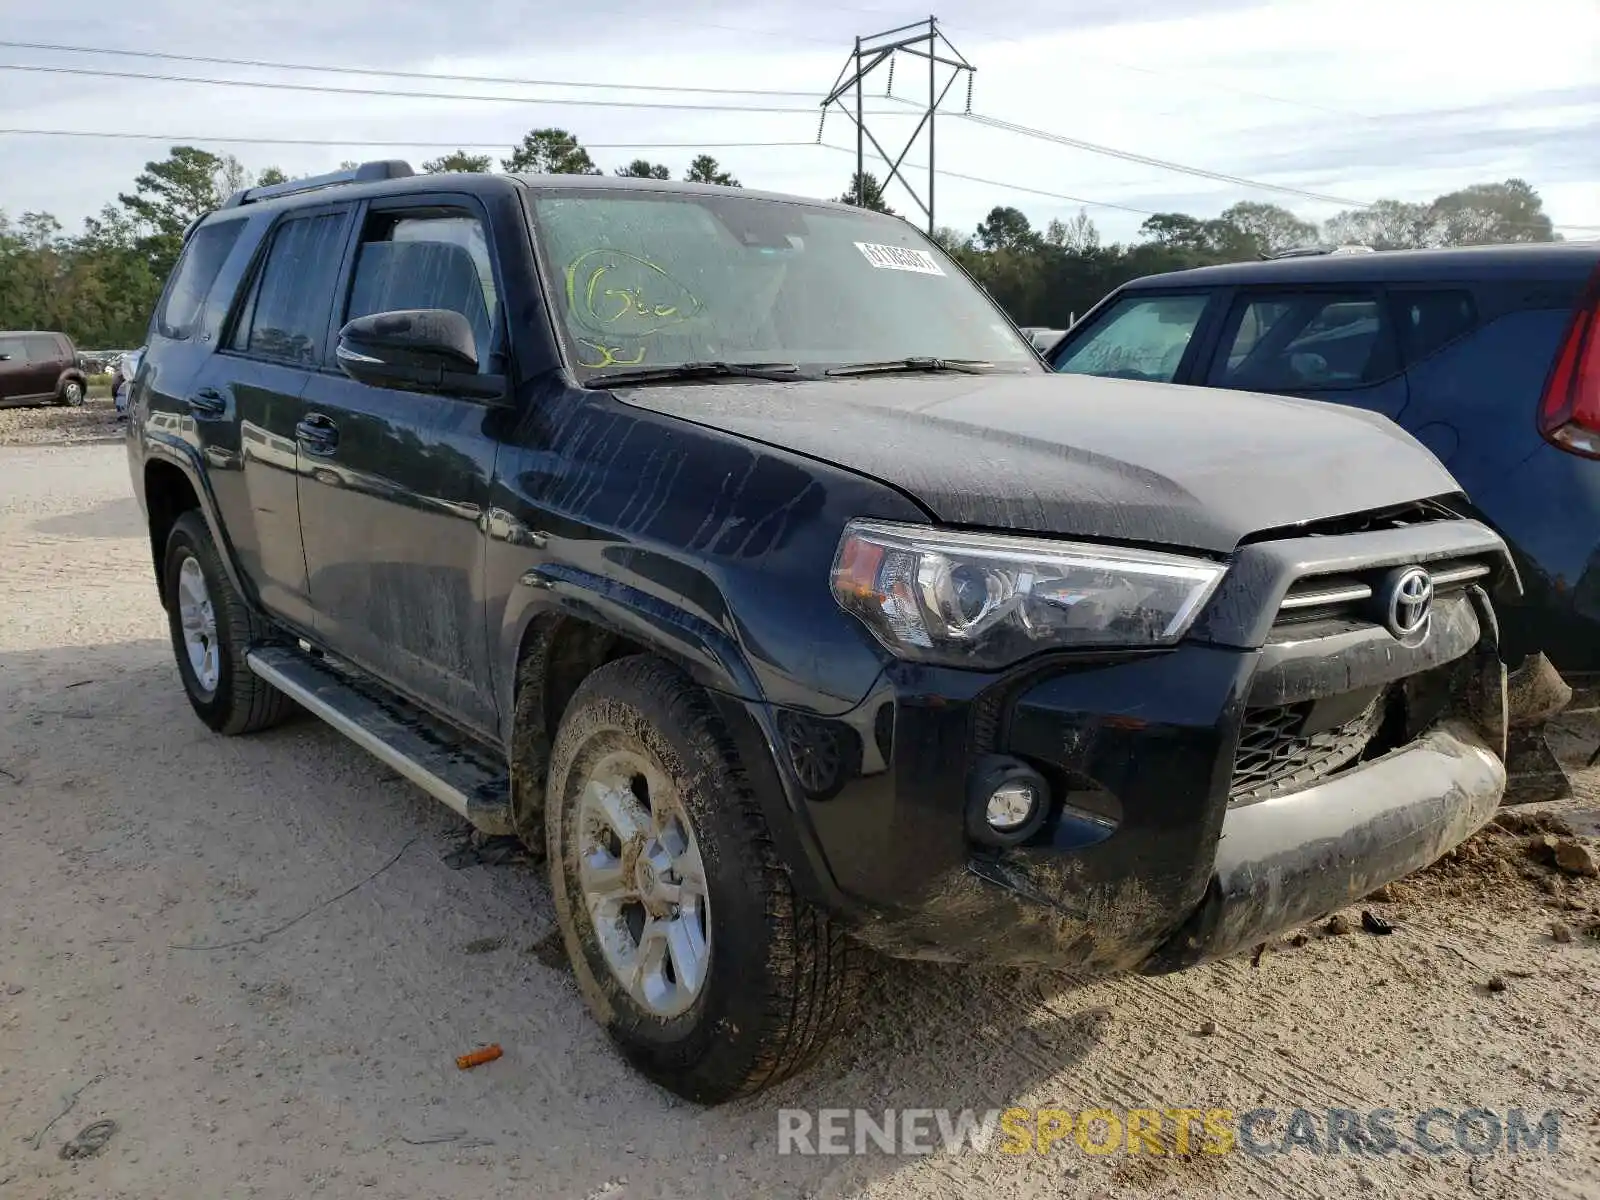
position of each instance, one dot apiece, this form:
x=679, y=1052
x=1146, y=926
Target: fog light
x=1010, y=805
x=1007, y=801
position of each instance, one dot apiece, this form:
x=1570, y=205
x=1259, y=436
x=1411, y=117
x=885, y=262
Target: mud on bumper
x=1207, y=797
x=1298, y=856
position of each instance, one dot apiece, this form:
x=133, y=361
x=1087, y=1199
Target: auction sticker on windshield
x=899, y=258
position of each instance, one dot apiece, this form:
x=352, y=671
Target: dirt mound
x=1507, y=864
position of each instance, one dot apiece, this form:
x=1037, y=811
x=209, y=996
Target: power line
x=319, y=89
x=1127, y=208
x=1013, y=187
x=375, y=72
x=1062, y=139
x=1201, y=172
x=976, y=118
x=193, y=139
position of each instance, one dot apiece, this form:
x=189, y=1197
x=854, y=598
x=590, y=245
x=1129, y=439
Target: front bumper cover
x=1181, y=872
x=1299, y=856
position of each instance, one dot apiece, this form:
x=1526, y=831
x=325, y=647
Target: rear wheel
x=71, y=393
x=212, y=628
x=685, y=936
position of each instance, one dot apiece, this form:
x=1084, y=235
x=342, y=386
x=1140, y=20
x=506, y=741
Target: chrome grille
x=1345, y=596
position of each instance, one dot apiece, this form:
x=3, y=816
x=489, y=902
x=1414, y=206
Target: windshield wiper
x=700, y=370
x=964, y=366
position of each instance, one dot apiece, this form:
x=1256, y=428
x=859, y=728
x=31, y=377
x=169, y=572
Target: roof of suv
x=628, y=183
x=472, y=182
x=1474, y=262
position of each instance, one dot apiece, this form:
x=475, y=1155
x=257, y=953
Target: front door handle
x=207, y=402
x=317, y=435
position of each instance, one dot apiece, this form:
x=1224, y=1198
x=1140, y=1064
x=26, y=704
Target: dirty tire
x=71, y=393
x=241, y=702
x=782, y=976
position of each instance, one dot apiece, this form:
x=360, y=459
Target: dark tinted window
x=13, y=350
x=1425, y=321
x=208, y=249
x=1288, y=343
x=1139, y=337
x=409, y=262
x=287, y=313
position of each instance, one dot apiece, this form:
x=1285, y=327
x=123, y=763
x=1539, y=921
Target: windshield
x=657, y=278
x=1139, y=337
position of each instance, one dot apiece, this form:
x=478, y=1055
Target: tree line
x=1045, y=277
x=101, y=284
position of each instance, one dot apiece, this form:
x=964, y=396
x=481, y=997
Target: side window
x=13, y=350
x=208, y=248
x=1258, y=318
x=43, y=349
x=1425, y=321
x=287, y=312
x=1286, y=343
x=1137, y=338
x=437, y=260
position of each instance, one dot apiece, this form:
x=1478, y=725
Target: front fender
x=707, y=654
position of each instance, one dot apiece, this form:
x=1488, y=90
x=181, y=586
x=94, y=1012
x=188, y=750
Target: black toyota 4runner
x=736, y=551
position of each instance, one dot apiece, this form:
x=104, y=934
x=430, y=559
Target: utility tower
x=921, y=39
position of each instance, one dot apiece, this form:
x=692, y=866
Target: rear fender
x=166, y=448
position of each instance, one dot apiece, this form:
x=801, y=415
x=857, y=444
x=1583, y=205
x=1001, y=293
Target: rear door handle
x=317, y=435
x=208, y=402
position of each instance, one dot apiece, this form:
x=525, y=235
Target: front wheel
x=71, y=393
x=684, y=933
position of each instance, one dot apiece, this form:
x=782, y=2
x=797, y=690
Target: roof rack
x=1313, y=251
x=368, y=172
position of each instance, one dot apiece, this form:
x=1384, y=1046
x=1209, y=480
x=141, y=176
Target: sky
x=1350, y=99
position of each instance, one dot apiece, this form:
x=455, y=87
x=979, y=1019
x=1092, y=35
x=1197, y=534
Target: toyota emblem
x=1410, y=602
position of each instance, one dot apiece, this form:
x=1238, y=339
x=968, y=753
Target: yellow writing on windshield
x=612, y=294
x=609, y=355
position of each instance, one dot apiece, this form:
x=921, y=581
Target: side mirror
x=420, y=349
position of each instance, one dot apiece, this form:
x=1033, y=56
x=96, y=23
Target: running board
x=418, y=747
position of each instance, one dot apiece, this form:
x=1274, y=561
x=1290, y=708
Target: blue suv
x=1489, y=356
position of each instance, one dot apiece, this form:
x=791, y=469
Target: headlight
x=981, y=600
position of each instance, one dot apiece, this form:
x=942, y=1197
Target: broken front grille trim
x=1274, y=756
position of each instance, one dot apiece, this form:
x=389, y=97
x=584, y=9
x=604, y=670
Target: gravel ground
x=260, y=957
x=93, y=421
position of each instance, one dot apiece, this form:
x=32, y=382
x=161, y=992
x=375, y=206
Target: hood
x=1078, y=455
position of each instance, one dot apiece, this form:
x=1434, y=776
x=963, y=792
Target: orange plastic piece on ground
x=478, y=1057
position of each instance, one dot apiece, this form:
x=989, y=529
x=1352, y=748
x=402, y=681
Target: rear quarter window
x=1426, y=321
x=198, y=268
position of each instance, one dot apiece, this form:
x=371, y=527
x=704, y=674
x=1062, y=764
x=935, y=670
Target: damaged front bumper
x=1162, y=849
x=1296, y=857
